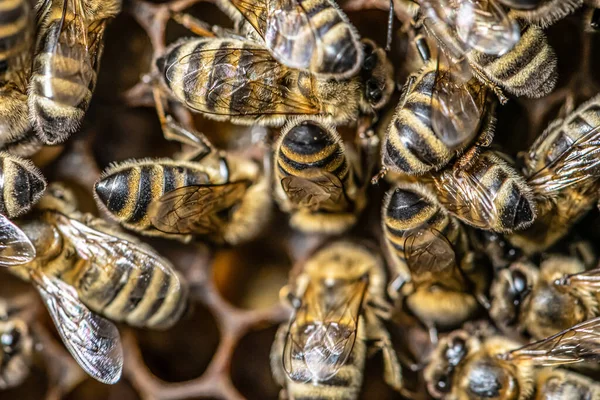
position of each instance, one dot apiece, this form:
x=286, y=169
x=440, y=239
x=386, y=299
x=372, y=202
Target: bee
x=562, y=169
x=207, y=193
x=496, y=50
x=546, y=300
x=437, y=117
x=546, y=12
x=315, y=37
x=83, y=268
x=16, y=41
x=66, y=62
x=316, y=178
x=21, y=186
x=488, y=193
x=240, y=81
x=336, y=298
x=16, y=347
x=474, y=366
x=445, y=281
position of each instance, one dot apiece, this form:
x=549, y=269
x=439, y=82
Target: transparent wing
x=15, y=246
x=577, y=344
x=192, y=209
x=323, y=329
x=458, y=105
x=322, y=191
x=93, y=341
x=68, y=39
x=588, y=279
x=113, y=259
x=578, y=165
x=214, y=77
x=427, y=250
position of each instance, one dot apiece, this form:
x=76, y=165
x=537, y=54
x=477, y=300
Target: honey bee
x=316, y=179
x=208, y=193
x=562, y=169
x=16, y=40
x=487, y=194
x=315, y=37
x=546, y=12
x=445, y=281
x=336, y=298
x=67, y=58
x=21, y=186
x=16, y=347
x=437, y=117
x=82, y=269
x=544, y=301
x=240, y=81
x=497, y=51
x=472, y=366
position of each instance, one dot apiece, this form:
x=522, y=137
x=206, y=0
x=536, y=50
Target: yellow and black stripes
x=410, y=207
x=21, y=185
x=488, y=194
x=529, y=69
x=15, y=35
x=126, y=190
x=547, y=12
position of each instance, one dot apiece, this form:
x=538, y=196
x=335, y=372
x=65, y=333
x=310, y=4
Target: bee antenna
x=380, y=174
x=388, y=44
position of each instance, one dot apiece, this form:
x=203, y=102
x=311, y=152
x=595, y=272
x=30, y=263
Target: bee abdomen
x=309, y=145
x=21, y=185
x=14, y=29
x=548, y=12
x=529, y=69
x=126, y=191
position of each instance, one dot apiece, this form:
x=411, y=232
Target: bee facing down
x=240, y=81
x=316, y=179
x=321, y=353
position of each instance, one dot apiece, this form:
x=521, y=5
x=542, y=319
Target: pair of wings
x=92, y=340
x=577, y=166
x=287, y=30
x=322, y=191
x=257, y=81
x=323, y=330
x=193, y=209
x=580, y=343
x=428, y=250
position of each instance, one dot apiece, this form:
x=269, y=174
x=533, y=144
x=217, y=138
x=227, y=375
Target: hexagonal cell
x=184, y=351
x=250, y=366
x=94, y=390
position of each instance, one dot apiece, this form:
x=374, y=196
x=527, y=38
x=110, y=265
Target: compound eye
x=11, y=339
x=456, y=351
x=370, y=62
x=373, y=91
x=443, y=384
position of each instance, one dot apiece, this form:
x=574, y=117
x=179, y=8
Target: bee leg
x=390, y=30
x=368, y=145
x=172, y=130
x=422, y=47
x=433, y=333
x=380, y=338
x=277, y=356
x=196, y=26
x=495, y=88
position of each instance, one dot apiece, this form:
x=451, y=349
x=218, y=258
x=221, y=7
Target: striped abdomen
x=227, y=78
x=324, y=43
x=344, y=385
x=21, y=185
x=547, y=12
x=127, y=190
x=529, y=69
x=64, y=76
x=489, y=194
x=16, y=34
x=145, y=296
x=408, y=208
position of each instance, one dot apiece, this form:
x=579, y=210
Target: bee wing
x=93, y=341
x=191, y=209
x=15, y=246
x=323, y=330
x=578, y=165
x=577, y=344
x=588, y=279
x=428, y=250
x=322, y=190
x=116, y=257
x=256, y=78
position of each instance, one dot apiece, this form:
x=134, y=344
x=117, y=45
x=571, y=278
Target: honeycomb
x=220, y=350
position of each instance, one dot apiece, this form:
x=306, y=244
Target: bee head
x=377, y=75
x=510, y=291
x=487, y=377
x=447, y=357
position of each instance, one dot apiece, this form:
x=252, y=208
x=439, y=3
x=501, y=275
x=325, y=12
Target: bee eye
x=370, y=62
x=442, y=384
x=519, y=282
x=373, y=91
x=456, y=351
x=11, y=339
